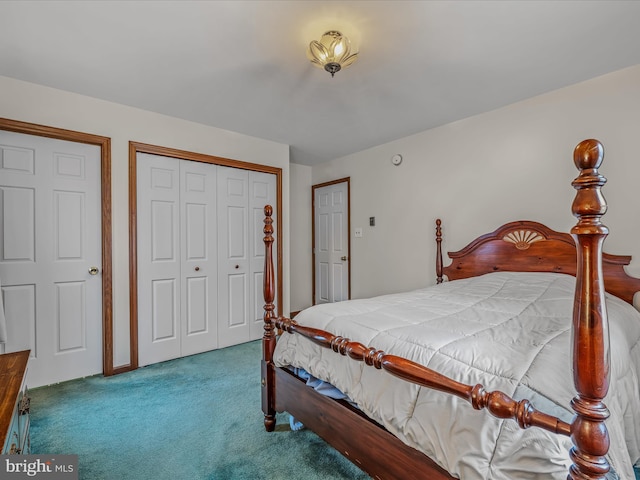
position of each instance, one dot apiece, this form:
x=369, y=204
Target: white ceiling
x=241, y=65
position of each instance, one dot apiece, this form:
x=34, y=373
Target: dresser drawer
x=14, y=403
x=12, y=443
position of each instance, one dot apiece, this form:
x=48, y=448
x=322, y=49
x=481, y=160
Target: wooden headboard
x=526, y=246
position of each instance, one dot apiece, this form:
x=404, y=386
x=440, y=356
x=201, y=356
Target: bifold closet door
x=200, y=255
x=177, y=281
x=242, y=196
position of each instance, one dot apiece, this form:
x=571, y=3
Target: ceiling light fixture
x=332, y=52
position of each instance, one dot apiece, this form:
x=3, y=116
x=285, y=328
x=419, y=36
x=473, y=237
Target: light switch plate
x=358, y=233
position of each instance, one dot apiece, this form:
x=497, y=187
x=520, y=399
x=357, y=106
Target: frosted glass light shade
x=332, y=52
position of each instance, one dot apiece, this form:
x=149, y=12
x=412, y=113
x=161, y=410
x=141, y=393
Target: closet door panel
x=199, y=257
x=158, y=191
x=233, y=256
x=237, y=289
x=262, y=191
x=163, y=310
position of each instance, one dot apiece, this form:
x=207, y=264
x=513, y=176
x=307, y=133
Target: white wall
x=476, y=174
x=46, y=106
x=300, y=215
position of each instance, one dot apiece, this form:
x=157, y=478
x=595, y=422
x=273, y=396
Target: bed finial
x=589, y=204
x=590, y=326
x=588, y=154
x=438, y=250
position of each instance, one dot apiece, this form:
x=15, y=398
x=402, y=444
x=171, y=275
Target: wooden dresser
x=14, y=403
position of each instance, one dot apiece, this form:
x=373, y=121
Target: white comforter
x=507, y=331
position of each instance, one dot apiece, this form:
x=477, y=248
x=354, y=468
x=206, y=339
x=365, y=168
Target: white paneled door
x=158, y=229
x=177, y=270
x=262, y=191
x=199, y=262
x=331, y=242
x=198, y=266
x=242, y=195
x=50, y=254
x=234, y=274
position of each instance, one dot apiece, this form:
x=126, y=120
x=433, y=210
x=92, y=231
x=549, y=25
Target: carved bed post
x=438, y=251
x=590, y=325
x=269, y=336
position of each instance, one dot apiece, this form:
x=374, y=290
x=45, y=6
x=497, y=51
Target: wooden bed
x=517, y=246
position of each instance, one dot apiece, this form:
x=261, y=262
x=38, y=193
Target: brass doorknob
x=93, y=270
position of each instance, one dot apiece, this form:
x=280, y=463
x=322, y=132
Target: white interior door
x=233, y=252
x=242, y=196
x=50, y=242
x=262, y=191
x=331, y=254
x=177, y=258
x=200, y=255
x=158, y=191
x=199, y=279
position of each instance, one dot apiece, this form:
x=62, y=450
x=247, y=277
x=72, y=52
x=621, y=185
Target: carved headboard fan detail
x=522, y=239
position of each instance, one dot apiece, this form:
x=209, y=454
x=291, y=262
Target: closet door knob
x=237, y=266
x=197, y=269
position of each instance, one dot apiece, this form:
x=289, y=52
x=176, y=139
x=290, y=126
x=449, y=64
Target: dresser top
x=13, y=367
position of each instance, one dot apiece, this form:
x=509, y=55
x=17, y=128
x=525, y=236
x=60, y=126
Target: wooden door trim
x=346, y=180
x=105, y=181
x=134, y=149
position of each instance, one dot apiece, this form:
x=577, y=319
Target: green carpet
x=193, y=418
x=197, y=417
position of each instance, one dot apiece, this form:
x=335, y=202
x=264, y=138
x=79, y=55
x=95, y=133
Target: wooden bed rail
x=497, y=403
x=590, y=337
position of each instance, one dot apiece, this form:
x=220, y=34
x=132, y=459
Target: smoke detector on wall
x=396, y=159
